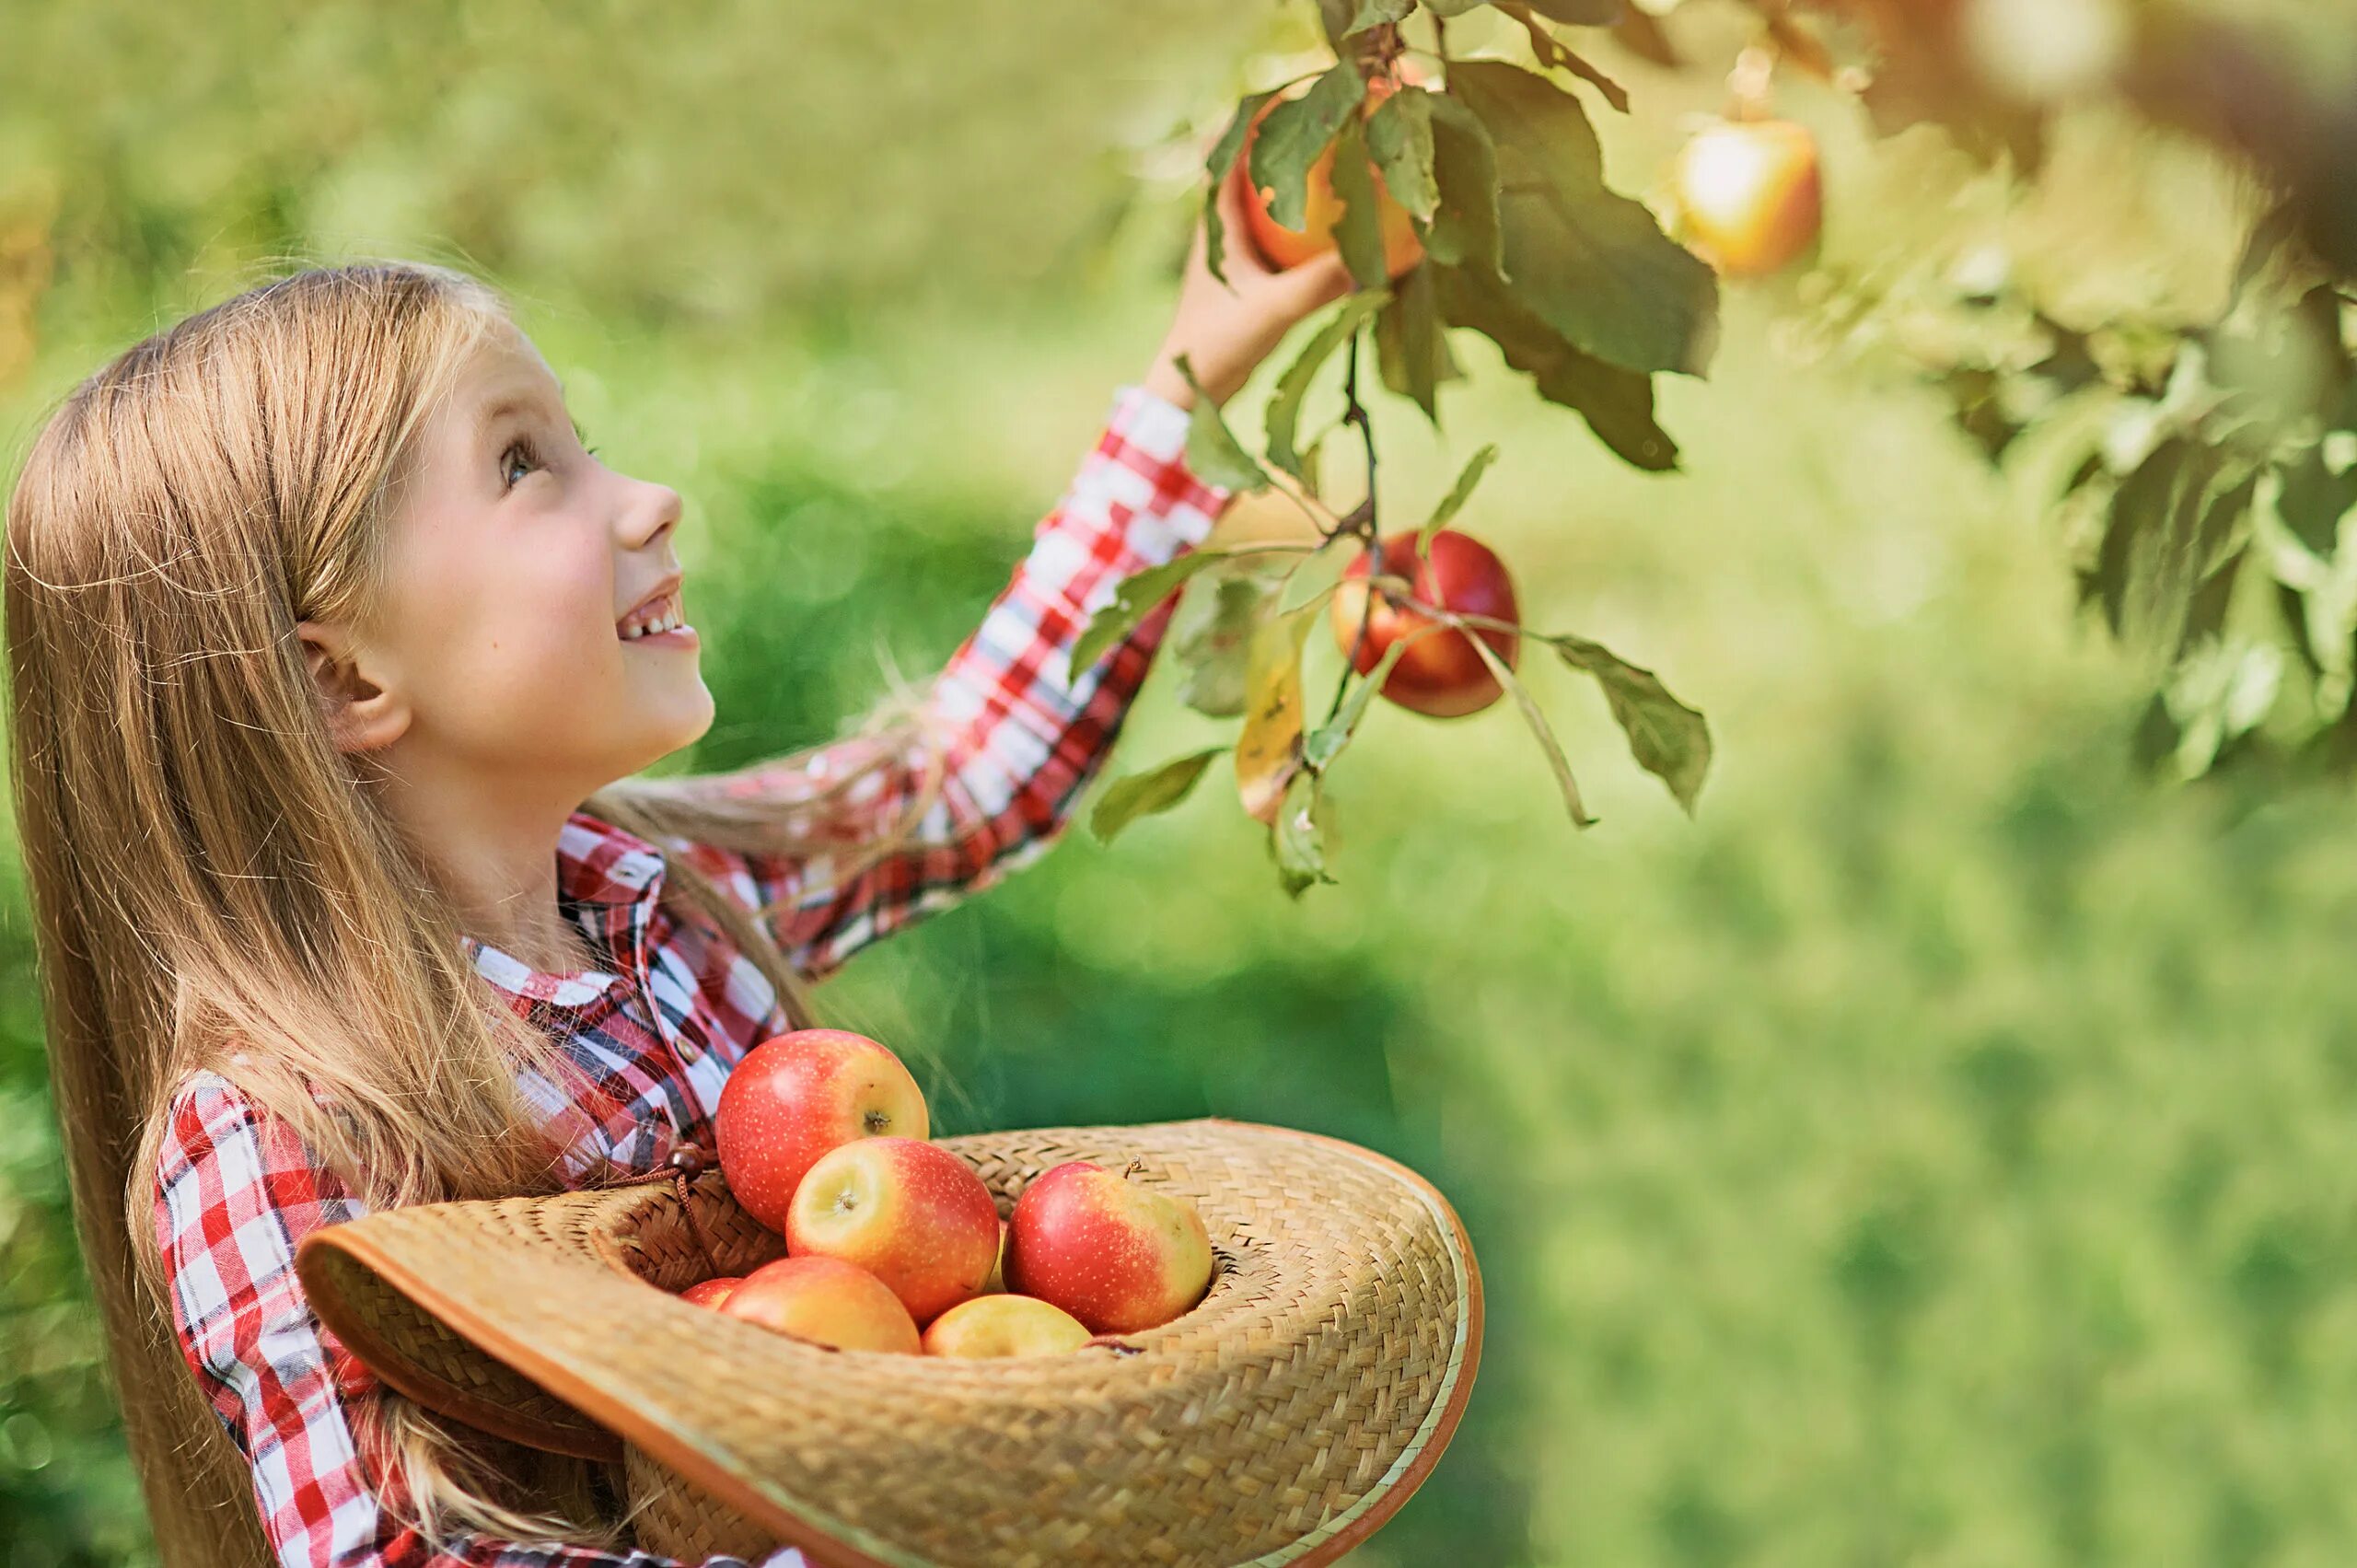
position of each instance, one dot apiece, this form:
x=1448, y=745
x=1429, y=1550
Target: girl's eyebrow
x=509, y=403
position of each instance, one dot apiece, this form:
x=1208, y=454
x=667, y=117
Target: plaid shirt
x=236, y=1190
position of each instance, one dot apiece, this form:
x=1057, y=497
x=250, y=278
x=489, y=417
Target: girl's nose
x=658, y=511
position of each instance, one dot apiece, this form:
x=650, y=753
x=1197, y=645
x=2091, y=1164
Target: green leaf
x=1374, y=13
x=1222, y=159
x=2167, y=531
x=1617, y=404
x=1134, y=599
x=1551, y=52
x=1538, y=728
x=1589, y=261
x=1464, y=168
x=1358, y=231
x=1295, y=132
x=1399, y=135
x=1211, y=634
x=1670, y=739
x=1410, y=347
x=1452, y=7
x=1326, y=742
x=1453, y=502
x=1285, y=403
x=1142, y=795
x=1212, y=450
x=1298, y=836
x=1315, y=578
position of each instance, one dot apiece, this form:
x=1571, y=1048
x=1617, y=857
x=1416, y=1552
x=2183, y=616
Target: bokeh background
x=1936, y=1152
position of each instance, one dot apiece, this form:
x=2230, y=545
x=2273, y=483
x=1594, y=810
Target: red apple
x=826, y=1301
x=713, y=1292
x=1283, y=246
x=794, y=1097
x=1439, y=674
x=911, y=1212
x=1005, y=1325
x=1115, y=1253
x=1749, y=194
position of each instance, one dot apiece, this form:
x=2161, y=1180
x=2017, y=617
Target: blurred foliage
x=1935, y=1152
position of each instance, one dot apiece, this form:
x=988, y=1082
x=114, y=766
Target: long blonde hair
x=206, y=868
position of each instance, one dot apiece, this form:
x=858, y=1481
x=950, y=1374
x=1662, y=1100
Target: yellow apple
x=1005, y=1326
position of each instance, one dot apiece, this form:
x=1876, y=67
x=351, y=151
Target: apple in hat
x=1115, y=1253
x=796, y=1096
x=910, y=1212
x=826, y=1301
x=1005, y=1326
x=711, y=1291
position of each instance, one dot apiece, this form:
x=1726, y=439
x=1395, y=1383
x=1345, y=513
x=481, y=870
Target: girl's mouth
x=662, y=622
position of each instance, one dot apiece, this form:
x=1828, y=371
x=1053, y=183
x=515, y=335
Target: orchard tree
x=1469, y=194
x=2202, y=465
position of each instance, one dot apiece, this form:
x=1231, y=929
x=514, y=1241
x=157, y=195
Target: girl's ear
x=361, y=713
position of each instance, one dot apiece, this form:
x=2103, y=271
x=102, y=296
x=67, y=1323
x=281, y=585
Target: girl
x=334, y=658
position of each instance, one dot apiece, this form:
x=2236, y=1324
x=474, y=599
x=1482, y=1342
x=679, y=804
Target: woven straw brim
x=1278, y=1422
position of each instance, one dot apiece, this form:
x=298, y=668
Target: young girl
x=333, y=656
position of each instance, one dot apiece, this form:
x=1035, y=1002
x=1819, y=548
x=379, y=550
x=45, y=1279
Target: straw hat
x=1280, y=1421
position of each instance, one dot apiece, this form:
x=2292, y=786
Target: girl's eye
x=531, y=456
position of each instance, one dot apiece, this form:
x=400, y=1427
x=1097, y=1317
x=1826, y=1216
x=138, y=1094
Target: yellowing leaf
x=1268, y=751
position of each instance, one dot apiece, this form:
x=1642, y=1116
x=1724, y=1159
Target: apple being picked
x=827, y=1302
x=796, y=1096
x=1005, y=1325
x=1116, y=1254
x=1440, y=673
x=1282, y=246
x=910, y=1212
x=713, y=1292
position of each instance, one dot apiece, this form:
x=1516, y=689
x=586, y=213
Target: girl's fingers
x=1237, y=253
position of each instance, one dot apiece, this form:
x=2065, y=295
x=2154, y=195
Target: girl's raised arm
x=236, y=1193
x=1020, y=732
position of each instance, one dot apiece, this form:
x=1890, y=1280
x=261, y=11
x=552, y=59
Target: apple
x=826, y=1301
x=1439, y=673
x=911, y=1213
x=1750, y=195
x=796, y=1096
x=713, y=1292
x=1114, y=1253
x=1283, y=246
x=1005, y=1325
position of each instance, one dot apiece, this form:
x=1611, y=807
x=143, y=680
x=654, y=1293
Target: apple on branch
x=1439, y=673
x=1749, y=196
x=1282, y=246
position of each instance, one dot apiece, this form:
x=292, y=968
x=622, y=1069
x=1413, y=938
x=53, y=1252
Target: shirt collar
x=609, y=881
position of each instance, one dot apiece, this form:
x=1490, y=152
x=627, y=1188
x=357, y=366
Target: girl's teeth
x=670, y=623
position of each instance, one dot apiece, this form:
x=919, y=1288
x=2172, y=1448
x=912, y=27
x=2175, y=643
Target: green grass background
x=1936, y=1153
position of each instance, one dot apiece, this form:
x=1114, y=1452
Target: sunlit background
x=1938, y=1151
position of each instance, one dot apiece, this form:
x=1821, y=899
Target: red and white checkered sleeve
x=1020, y=733
x=236, y=1193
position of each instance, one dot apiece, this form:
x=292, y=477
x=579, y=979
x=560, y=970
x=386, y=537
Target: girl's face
x=497, y=662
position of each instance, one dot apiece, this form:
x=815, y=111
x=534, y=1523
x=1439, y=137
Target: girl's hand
x=1226, y=329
